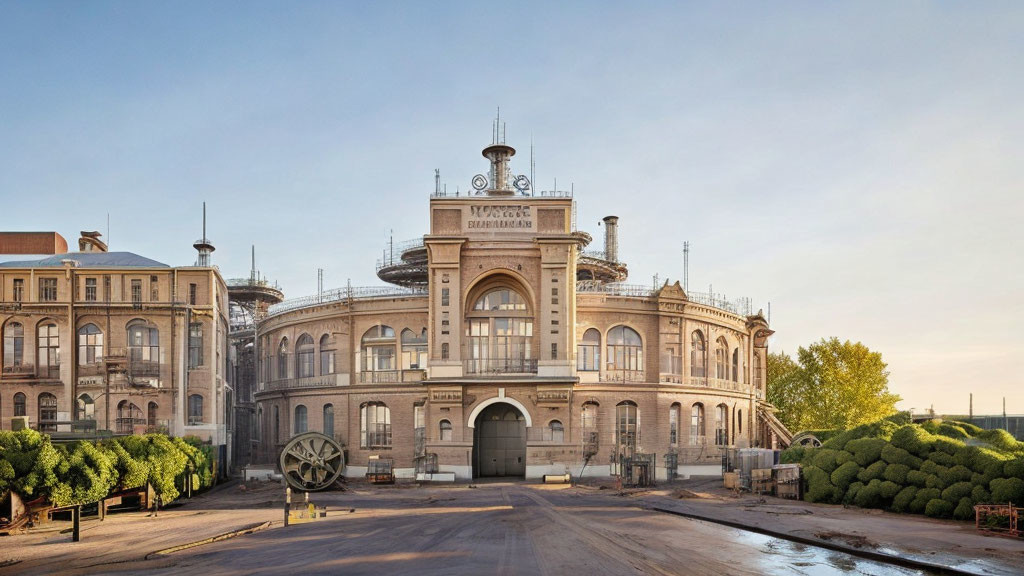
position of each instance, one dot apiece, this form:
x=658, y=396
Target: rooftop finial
x=203, y=245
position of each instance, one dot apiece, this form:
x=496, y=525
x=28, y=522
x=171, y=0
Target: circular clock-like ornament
x=311, y=461
x=522, y=183
x=479, y=182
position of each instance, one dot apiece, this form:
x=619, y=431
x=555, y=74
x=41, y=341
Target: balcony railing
x=325, y=380
x=380, y=376
x=623, y=376
x=718, y=384
x=497, y=366
x=24, y=370
x=127, y=425
x=95, y=369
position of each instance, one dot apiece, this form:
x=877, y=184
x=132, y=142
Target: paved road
x=498, y=528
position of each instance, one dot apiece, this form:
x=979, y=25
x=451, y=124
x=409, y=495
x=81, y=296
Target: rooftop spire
x=203, y=245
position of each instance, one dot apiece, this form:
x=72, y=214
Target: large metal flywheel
x=311, y=461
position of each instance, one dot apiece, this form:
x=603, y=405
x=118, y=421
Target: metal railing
x=596, y=254
x=343, y=294
x=322, y=381
x=494, y=366
x=245, y=282
x=739, y=306
x=537, y=194
x=614, y=288
x=623, y=376
x=380, y=376
x=718, y=384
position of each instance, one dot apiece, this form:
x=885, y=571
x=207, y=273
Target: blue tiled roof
x=88, y=260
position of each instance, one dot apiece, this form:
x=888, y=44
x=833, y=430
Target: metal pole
x=76, y=519
x=287, y=503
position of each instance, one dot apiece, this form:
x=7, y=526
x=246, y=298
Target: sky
x=857, y=165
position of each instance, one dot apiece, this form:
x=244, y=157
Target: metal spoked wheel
x=311, y=461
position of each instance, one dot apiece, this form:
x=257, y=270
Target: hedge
x=937, y=468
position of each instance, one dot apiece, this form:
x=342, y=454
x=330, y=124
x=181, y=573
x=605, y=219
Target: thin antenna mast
x=686, y=266
x=437, y=181
x=533, y=169
x=108, y=231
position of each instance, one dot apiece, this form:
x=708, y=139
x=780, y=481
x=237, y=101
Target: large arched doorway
x=499, y=442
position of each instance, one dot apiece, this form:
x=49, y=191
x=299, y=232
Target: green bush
x=956, y=474
x=922, y=498
x=131, y=472
x=33, y=461
x=940, y=458
x=931, y=467
x=897, y=473
x=793, y=455
x=913, y=439
x=85, y=474
x=866, y=450
x=894, y=455
x=1001, y=439
x=968, y=427
x=938, y=508
x=979, y=459
x=872, y=472
x=917, y=478
x=825, y=459
x=951, y=431
x=946, y=446
x=901, y=503
x=980, y=495
x=843, y=457
x=888, y=489
x=852, y=491
x=1008, y=490
x=964, y=509
x=955, y=492
x=870, y=496
x=931, y=426
x=844, y=475
x=935, y=481
x=819, y=486
x=1014, y=468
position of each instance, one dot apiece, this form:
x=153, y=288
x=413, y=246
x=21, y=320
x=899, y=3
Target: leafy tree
x=832, y=384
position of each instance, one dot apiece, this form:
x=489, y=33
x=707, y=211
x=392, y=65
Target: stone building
x=507, y=349
x=98, y=340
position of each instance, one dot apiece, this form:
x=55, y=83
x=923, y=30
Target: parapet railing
x=343, y=294
x=739, y=306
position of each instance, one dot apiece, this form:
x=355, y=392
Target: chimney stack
x=611, y=238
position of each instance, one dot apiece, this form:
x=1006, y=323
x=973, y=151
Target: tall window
x=151, y=416
x=378, y=347
x=326, y=356
x=195, y=345
x=739, y=421
x=588, y=351
x=721, y=359
x=556, y=431
x=757, y=371
x=137, y=292
x=414, y=349
x=722, y=425
x=304, y=354
x=736, y=365
x=444, y=351
x=193, y=290
x=154, y=289
x=300, y=419
x=195, y=410
x=698, y=367
x=500, y=332
x=47, y=289
x=49, y=351
x=143, y=343
x=625, y=423
x=625, y=355
x=47, y=412
x=329, y=420
x=19, y=404
x=446, y=431
x=588, y=417
x=18, y=294
x=14, y=346
x=673, y=423
x=90, y=345
x=85, y=408
x=697, y=424
x=277, y=424
x=375, y=425
x=282, y=359
x=90, y=289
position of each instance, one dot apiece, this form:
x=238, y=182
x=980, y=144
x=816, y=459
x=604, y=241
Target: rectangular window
x=444, y=297
x=19, y=290
x=195, y=345
x=90, y=289
x=192, y=289
x=136, y=292
x=47, y=289
x=554, y=351
x=106, y=288
x=154, y=289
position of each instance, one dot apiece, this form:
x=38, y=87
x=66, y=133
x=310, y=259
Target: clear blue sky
x=858, y=165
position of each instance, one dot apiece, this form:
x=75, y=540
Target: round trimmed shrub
x=939, y=508
x=843, y=457
x=1001, y=439
x=819, y=487
x=85, y=474
x=931, y=426
x=901, y=502
x=964, y=510
x=955, y=492
x=870, y=496
x=940, y=458
x=931, y=467
x=980, y=495
x=888, y=489
x=1014, y=468
x=872, y=472
x=825, y=459
x=866, y=450
x=1008, y=490
x=934, y=481
x=844, y=475
x=951, y=431
x=792, y=455
x=946, y=446
x=897, y=473
x=851, y=492
x=956, y=474
x=979, y=459
x=917, y=478
x=968, y=427
x=922, y=498
x=913, y=439
x=894, y=455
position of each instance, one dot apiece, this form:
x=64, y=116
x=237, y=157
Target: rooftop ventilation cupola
x=500, y=181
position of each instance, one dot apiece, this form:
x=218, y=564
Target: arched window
x=19, y=404
x=374, y=425
x=625, y=355
x=14, y=346
x=128, y=415
x=260, y=430
x=721, y=359
x=143, y=343
x=499, y=329
x=378, y=352
x=151, y=416
x=722, y=425
x=736, y=365
x=757, y=371
x=414, y=350
x=588, y=351
x=47, y=412
x=697, y=432
x=277, y=424
x=446, y=431
x=85, y=408
x=48, y=358
x=673, y=423
x=326, y=356
x=626, y=423
x=282, y=359
x=739, y=421
x=90, y=345
x=195, y=410
x=300, y=419
x=329, y=420
x=698, y=366
x=305, y=352
x=557, y=431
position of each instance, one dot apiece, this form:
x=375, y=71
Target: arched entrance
x=499, y=442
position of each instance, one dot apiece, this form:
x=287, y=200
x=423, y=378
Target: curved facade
x=508, y=350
